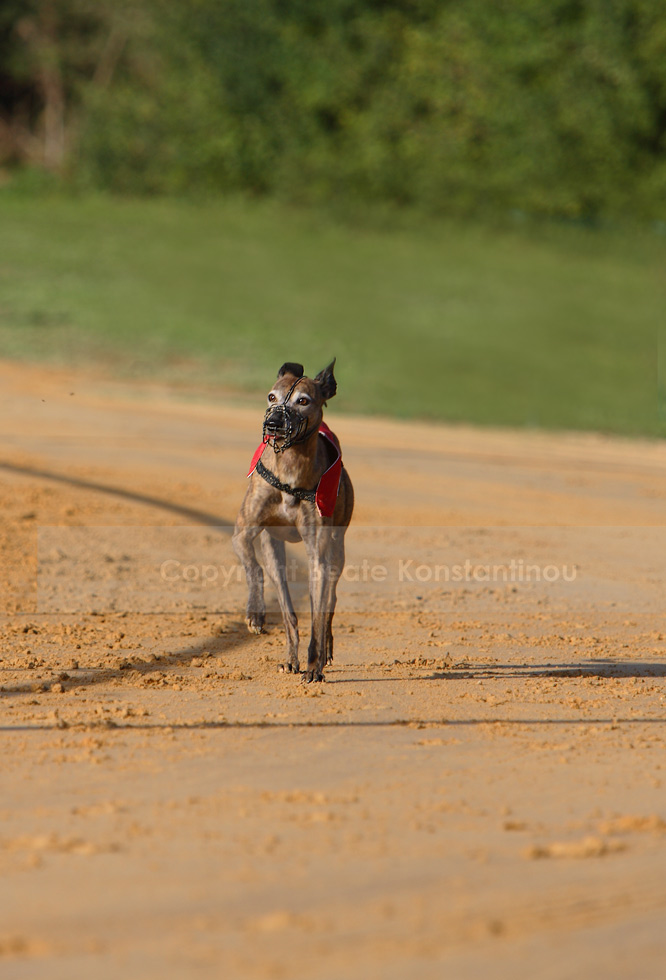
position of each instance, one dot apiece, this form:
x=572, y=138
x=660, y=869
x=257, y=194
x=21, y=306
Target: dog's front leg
x=243, y=544
x=317, y=544
x=336, y=563
x=275, y=561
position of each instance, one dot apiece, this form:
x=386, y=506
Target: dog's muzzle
x=283, y=423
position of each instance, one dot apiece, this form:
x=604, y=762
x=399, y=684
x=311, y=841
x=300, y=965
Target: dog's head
x=295, y=405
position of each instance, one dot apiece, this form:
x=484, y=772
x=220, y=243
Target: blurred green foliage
x=548, y=107
x=538, y=325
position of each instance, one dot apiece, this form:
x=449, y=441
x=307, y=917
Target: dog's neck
x=301, y=465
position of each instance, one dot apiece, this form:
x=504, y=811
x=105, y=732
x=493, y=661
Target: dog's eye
x=303, y=401
x=271, y=397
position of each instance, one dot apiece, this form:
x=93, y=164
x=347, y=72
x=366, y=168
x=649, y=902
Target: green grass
x=532, y=326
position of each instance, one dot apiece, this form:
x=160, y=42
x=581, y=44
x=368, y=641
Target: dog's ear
x=290, y=367
x=327, y=382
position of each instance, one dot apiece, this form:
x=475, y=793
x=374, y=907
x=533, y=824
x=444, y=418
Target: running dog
x=306, y=495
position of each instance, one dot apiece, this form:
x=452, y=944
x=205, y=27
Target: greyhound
x=306, y=496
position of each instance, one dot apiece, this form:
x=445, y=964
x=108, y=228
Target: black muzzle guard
x=285, y=424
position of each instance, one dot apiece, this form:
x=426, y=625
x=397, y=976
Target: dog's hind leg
x=243, y=544
x=275, y=561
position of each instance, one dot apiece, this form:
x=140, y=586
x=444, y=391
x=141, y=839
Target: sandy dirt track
x=477, y=789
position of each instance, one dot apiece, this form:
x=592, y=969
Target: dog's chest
x=282, y=509
x=288, y=505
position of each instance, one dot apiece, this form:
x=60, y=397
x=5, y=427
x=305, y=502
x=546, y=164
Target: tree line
x=548, y=107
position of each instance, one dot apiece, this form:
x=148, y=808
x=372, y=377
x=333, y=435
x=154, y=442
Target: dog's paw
x=289, y=668
x=255, y=624
x=310, y=676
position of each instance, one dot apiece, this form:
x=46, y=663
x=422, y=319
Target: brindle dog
x=300, y=458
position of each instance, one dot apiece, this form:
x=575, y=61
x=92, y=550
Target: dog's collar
x=298, y=492
x=324, y=494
